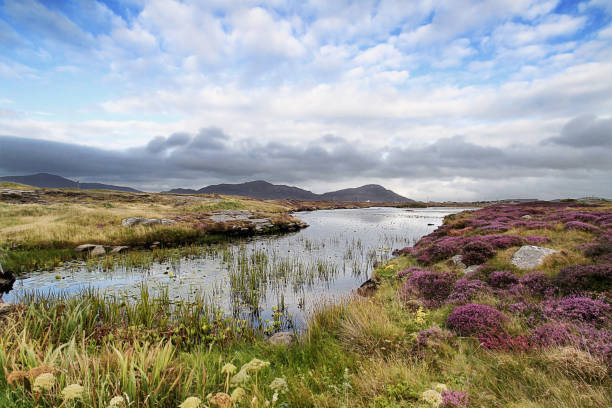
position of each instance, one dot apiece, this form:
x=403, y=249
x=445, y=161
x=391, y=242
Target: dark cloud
x=585, y=131
x=211, y=156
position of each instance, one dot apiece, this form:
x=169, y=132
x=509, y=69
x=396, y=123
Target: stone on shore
x=367, y=288
x=85, y=247
x=118, y=249
x=98, y=251
x=135, y=221
x=530, y=256
x=282, y=338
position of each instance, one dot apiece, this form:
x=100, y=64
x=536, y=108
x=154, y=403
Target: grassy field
x=402, y=347
x=41, y=231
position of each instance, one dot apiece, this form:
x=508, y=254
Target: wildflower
x=432, y=397
x=440, y=387
x=454, y=399
x=275, y=397
x=73, y=391
x=255, y=365
x=221, y=400
x=191, y=402
x=43, y=382
x=229, y=369
x=420, y=315
x=240, y=378
x=279, y=385
x=238, y=395
x=116, y=402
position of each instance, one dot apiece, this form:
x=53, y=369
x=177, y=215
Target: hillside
x=46, y=180
x=268, y=191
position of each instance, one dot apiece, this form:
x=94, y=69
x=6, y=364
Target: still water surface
x=247, y=278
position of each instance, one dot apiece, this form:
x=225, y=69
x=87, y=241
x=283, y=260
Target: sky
x=436, y=100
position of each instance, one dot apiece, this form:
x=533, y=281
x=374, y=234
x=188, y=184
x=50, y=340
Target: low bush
x=476, y=319
x=585, y=277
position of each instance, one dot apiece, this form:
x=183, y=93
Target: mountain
x=369, y=192
x=260, y=189
x=46, y=180
x=267, y=191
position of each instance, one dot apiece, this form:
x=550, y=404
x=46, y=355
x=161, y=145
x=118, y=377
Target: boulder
x=526, y=217
x=458, y=261
x=6, y=308
x=367, y=288
x=530, y=256
x=134, y=221
x=282, y=338
x=6, y=281
x=118, y=249
x=85, y=247
x=98, y=251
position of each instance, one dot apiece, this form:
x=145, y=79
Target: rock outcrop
x=282, y=338
x=530, y=256
x=135, y=221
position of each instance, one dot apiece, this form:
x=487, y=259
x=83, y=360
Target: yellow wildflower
x=255, y=365
x=440, y=387
x=279, y=385
x=432, y=397
x=229, y=369
x=191, y=402
x=43, y=382
x=420, y=315
x=116, y=402
x=73, y=391
x=238, y=395
x=240, y=378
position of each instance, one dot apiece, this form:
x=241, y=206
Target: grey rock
x=282, y=338
x=368, y=288
x=98, y=251
x=118, y=249
x=526, y=217
x=458, y=260
x=135, y=221
x=530, y=256
x=85, y=247
x=6, y=308
x=471, y=268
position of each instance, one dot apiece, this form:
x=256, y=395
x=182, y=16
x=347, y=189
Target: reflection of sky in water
x=348, y=240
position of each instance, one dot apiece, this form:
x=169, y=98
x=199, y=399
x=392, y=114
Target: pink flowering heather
x=409, y=271
x=475, y=319
x=502, y=279
x=477, y=252
x=504, y=341
x=582, y=309
x=430, y=286
x=537, y=284
x=584, y=278
x=454, y=399
x=582, y=226
x=432, y=337
x=464, y=290
x=537, y=239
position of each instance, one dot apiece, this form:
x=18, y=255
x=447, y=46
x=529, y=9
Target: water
x=247, y=278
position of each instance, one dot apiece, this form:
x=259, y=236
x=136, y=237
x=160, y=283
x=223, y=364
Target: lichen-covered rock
x=85, y=247
x=118, y=249
x=282, y=338
x=98, y=251
x=530, y=256
x=135, y=221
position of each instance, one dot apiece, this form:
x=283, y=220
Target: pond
x=251, y=278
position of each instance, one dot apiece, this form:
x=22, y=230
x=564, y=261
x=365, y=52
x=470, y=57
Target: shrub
x=585, y=277
x=537, y=239
x=454, y=399
x=465, y=289
x=582, y=226
x=537, y=283
x=433, y=287
x=598, y=250
x=582, y=309
x=502, y=279
x=408, y=272
x=553, y=334
x=477, y=252
x=475, y=319
x=432, y=338
x=504, y=341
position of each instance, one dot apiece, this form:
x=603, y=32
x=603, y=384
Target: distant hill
x=268, y=191
x=46, y=180
x=369, y=192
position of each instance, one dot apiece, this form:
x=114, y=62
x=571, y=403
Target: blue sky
x=418, y=95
